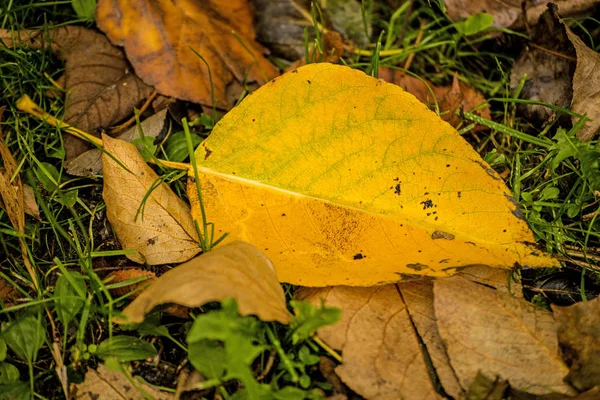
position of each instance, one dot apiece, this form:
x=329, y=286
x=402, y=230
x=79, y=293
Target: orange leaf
x=160, y=38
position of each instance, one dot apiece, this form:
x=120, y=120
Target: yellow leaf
x=343, y=179
x=159, y=226
x=236, y=270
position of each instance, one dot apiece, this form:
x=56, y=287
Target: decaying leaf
x=374, y=322
x=7, y=292
x=29, y=202
x=418, y=296
x=144, y=212
x=102, y=89
x=504, y=281
x=90, y=162
x=449, y=98
x=163, y=49
x=236, y=270
x=549, y=65
x=280, y=26
x=510, y=13
x=343, y=179
x=579, y=338
x=586, y=87
x=498, y=335
x=129, y=274
x=104, y=384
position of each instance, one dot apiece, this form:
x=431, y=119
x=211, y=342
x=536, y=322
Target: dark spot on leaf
x=295, y=71
x=192, y=179
x=471, y=243
x=427, y=204
x=151, y=241
x=447, y=165
x=308, y=81
x=436, y=218
x=283, y=215
x=504, y=230
x=396, y=179
x=207, y=152
x=417, y=266
x=534, y=253
x=253, y=119
x=442, y=235
x=459, y=194
x=444, y=261
x=358, y=256
x=397, y=189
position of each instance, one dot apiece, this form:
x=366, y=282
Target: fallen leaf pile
x=499, y=335
x=327, y=178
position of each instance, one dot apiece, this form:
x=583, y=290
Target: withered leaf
x=237, y=270
x=90, y=162
x=449, y=98
x=579, y=338
x=498, y=335
x=509, y=13
x=102, y=88
x=104, y=384
x=418, y=296
x=382, y=358
x=586, y=87
x=549, y=65
x=159, y=227
x=163, y=49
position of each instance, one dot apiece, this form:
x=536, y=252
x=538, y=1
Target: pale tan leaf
x=418, y=296
x=579, y=337
x=498, y=335
x=104, y=384
x=586, y=87
x=494, y=277
x=90, y=162
x=163, y=231
x=382, y=357
x=236, y=270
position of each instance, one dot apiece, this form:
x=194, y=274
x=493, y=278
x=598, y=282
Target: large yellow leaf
x=343, y=179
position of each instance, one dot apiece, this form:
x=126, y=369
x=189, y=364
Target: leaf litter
x=560, y=70
x=102, y=88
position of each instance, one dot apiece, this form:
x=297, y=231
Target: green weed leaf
x=85, y=9
x=66, y=299
x=15, y=391
x=223, y=345
x=474, y=24
x=2, y=349
x=176, y=147
x=125, y=348
x=309, y=318
x=8, y=373
x=25, y=337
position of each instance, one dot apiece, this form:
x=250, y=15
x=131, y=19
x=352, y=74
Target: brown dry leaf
x=104, y=384
x=102, y=88
x=128, y=274
x=29, y=202
x=163, y=230
x=498, y=335
x=7, y=293
x=90, y=162
x=418, y=296
x=586, y=87
x=237, y=270
x=494, y=277
x=579, y=337
x=509, y=13
x=160, y=49
x=449, y=98
x=375, y=321
x=549, y=65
